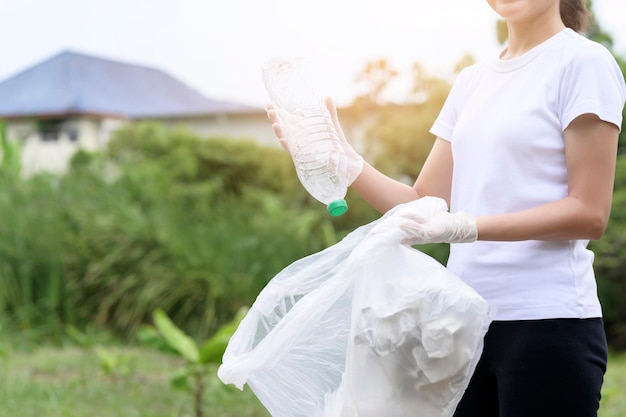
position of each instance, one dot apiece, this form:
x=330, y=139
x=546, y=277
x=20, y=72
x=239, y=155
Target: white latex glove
x=426, y=220
x=355, y=161
x=448, y=227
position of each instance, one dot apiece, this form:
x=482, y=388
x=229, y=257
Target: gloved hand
x=448, y=227
x=426, y=220
x=355, y=161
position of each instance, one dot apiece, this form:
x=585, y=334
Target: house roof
x=71, y=83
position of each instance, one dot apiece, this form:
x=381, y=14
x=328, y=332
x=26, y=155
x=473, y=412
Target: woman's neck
x=524, y=36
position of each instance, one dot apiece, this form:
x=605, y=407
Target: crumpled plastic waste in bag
x=365, y=328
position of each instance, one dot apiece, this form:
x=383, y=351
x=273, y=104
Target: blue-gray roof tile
x=74, y=83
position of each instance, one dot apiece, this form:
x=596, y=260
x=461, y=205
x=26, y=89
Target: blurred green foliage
x=610, y=263
x=160, y=220
x=11, y=163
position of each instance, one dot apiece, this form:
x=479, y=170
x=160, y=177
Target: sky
x=219, y=47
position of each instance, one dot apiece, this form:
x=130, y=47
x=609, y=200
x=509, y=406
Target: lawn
x=614, y=392
x=70, y=382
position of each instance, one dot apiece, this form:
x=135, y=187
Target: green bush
x=161, y=220
x=610, y=263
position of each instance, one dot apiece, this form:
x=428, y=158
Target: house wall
x=51, y=151
x=254, y=126
x=237, y=126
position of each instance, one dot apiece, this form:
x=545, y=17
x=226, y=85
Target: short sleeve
x=592, y=83
x=446, y=120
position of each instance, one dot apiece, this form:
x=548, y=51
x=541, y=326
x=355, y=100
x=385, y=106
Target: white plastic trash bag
x=366, y=328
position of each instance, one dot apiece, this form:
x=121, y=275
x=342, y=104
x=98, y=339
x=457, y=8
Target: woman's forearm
x=380, y=191
x=569, y=218
x=435, y=178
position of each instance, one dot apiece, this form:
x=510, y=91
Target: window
x=52, y=130
x=49, y=129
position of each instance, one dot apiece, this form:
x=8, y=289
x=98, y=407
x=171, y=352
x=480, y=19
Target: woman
x=525, y=157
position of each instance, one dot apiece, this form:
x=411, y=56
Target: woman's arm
x=590, y=147
x=380, y=191
x=384, y=193
x=590, y=150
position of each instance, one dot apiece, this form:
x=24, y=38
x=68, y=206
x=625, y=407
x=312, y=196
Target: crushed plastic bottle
x=319, y=159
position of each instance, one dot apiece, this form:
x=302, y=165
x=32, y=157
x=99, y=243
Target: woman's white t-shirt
x=505, y=121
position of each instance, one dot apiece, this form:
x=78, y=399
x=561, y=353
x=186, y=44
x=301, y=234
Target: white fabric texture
x=505, y=121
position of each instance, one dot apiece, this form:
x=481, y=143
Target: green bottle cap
x=337, y=207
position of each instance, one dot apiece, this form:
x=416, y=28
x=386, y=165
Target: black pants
x=538, y=368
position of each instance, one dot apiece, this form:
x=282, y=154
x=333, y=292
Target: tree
x=375, y=78
x=397, y=138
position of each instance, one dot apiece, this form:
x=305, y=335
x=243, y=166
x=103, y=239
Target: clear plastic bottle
x=319, y=159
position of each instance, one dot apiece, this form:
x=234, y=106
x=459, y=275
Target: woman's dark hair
x=575, y=14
